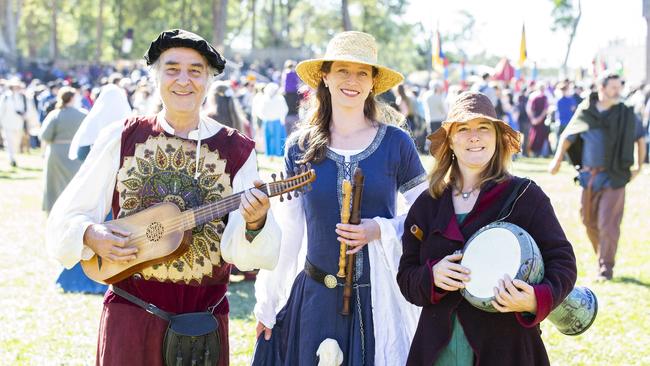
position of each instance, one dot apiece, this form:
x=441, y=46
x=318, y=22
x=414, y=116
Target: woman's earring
x=453, y=156
x=327, y=86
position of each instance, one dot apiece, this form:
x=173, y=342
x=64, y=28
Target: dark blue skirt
x=311, y=315
x=75, y=280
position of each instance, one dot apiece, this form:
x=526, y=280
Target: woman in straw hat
x=346, y=129
x=468, y=188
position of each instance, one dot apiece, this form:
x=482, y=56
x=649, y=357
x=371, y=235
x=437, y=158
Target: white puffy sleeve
x=272, y=287
x=399, y=317
x=263, y=251
x=397, y=223
x=86, y=200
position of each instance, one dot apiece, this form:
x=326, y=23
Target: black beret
x=182, y=38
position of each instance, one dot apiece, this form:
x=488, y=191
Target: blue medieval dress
x=312, y=312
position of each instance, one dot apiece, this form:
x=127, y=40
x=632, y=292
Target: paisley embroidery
x=161, y=158
x=162, y=170
x=132, y=184
x=178, y=159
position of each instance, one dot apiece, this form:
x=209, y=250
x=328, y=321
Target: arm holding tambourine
x=559, y=260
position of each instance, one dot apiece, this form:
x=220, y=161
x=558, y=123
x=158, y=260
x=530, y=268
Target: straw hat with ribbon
x=469, y=106
x=355, y=47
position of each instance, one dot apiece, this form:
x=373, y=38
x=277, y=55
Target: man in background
x=600, y=140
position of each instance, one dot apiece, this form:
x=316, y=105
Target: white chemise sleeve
x=398, y=221
x=272, y=287
x=390, y=309
x=86, y=200
x=263, y=251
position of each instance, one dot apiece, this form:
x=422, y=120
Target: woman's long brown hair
x=314, y=133
x=446, y=171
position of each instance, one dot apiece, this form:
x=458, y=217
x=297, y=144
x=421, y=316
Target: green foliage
x=314, y=25
x=382, y=20
x=466, y=31
x=295, y=24
x=454, y=42
x=193, y=15
x=298, y=24
x=34, y=29
x=563, y=15
x=566, y=19
x=279, y=23
x=77, y=21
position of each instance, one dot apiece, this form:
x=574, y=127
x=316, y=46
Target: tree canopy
x=93, y=30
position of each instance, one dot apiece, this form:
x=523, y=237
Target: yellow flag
x=523, y=54
x=437, y=56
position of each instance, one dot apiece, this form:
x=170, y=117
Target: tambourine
x=502, y=248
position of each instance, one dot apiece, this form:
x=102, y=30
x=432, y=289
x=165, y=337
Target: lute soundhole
x=155, y=231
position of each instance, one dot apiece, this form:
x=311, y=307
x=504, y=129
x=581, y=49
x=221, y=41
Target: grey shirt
x=435, y=108
x=593, y=152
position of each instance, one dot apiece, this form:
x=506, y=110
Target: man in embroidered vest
x=600, y=141
x=177, y=156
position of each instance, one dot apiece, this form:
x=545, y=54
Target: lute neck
x=214, y=210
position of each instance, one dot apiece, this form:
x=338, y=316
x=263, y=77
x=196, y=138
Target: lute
x=162, y=231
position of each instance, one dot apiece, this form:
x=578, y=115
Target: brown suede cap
x=469, y=106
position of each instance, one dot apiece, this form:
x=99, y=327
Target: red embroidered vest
x=158, y=167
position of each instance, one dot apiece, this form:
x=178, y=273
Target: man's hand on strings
x=110, y=243
x=254, y=206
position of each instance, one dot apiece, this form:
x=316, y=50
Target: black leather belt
x=328, y=280
x=150, y=308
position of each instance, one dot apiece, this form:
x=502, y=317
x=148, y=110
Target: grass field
x=43, y=326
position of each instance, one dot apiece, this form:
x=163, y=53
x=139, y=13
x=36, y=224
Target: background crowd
x=265, y=103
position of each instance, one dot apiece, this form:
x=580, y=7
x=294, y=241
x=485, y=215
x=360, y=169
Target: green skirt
x=458, y=352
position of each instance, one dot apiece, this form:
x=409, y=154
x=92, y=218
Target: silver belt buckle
x=330, y=281
x=151, y=309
